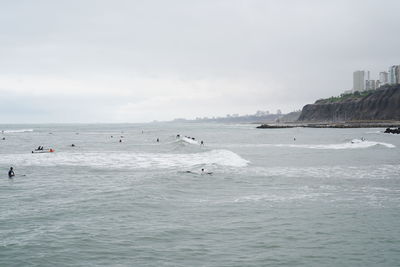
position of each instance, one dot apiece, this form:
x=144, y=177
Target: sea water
x=278, y=197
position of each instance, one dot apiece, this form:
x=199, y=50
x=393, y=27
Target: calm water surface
x=324, y=199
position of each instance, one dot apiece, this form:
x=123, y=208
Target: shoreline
x=339, y=125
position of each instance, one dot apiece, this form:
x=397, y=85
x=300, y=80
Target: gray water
x=324, y=199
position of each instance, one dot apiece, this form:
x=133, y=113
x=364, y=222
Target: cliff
x=378, y=105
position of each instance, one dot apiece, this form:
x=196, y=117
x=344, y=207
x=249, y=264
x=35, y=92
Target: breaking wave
x=187, y=140
x=128, y=160
x=17, y=131
x=354, y=144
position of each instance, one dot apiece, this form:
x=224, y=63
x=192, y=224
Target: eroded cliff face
x=383, y=104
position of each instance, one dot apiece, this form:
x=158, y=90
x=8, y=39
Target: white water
x=127, y=160
x=17, y=131
x=354, y=144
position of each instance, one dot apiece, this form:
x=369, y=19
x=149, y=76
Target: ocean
x=266, y=197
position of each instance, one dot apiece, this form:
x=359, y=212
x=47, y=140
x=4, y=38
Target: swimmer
x=11, y=173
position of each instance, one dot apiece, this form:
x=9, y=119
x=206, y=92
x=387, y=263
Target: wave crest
x=17, y=131
x=128, y=160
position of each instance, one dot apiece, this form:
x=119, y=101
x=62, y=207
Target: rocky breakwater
x=393, y=131
x=382, y=104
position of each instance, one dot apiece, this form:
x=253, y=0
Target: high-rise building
x=370, y=85
x=394, y=74
x=360, y=78
x=377, y=84
x=383, y=78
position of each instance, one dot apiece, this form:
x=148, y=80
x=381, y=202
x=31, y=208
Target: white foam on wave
x=127, y=160
x=17, y=131
x=354, y=144
x=188, y=140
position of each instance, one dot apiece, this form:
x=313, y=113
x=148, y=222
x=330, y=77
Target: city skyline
x=362, y=79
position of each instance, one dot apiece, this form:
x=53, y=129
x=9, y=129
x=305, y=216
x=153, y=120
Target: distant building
x=360, y=79
x=383, y=78
x=394, y=74
x=370, y=85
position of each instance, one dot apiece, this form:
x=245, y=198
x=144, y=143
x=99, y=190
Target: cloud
x=153, y=60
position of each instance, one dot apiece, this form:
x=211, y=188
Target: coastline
x=340, y=125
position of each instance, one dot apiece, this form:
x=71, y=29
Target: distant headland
x=371, y=108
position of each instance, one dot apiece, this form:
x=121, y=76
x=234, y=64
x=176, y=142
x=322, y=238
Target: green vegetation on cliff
x=376, y=105
x=342, y=97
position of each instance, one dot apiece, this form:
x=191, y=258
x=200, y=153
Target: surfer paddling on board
x=203, y=172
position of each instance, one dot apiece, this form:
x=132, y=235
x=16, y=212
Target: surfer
x=203, y=172
x=202, y=143
x=120, y=140
x=72, y=145
x=11, y=173
x=158, y=140
x=294, y=138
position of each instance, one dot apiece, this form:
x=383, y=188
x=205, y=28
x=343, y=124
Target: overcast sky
x=138, y=61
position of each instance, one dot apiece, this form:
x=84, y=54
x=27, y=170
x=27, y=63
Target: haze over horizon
x=139, y=61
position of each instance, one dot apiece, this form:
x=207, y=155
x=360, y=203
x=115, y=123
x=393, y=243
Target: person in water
x=204, y=172
x=158, y=140
x=11, y=172
x=202, y=143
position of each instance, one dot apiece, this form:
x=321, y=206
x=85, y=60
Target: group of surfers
x=11, y=172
